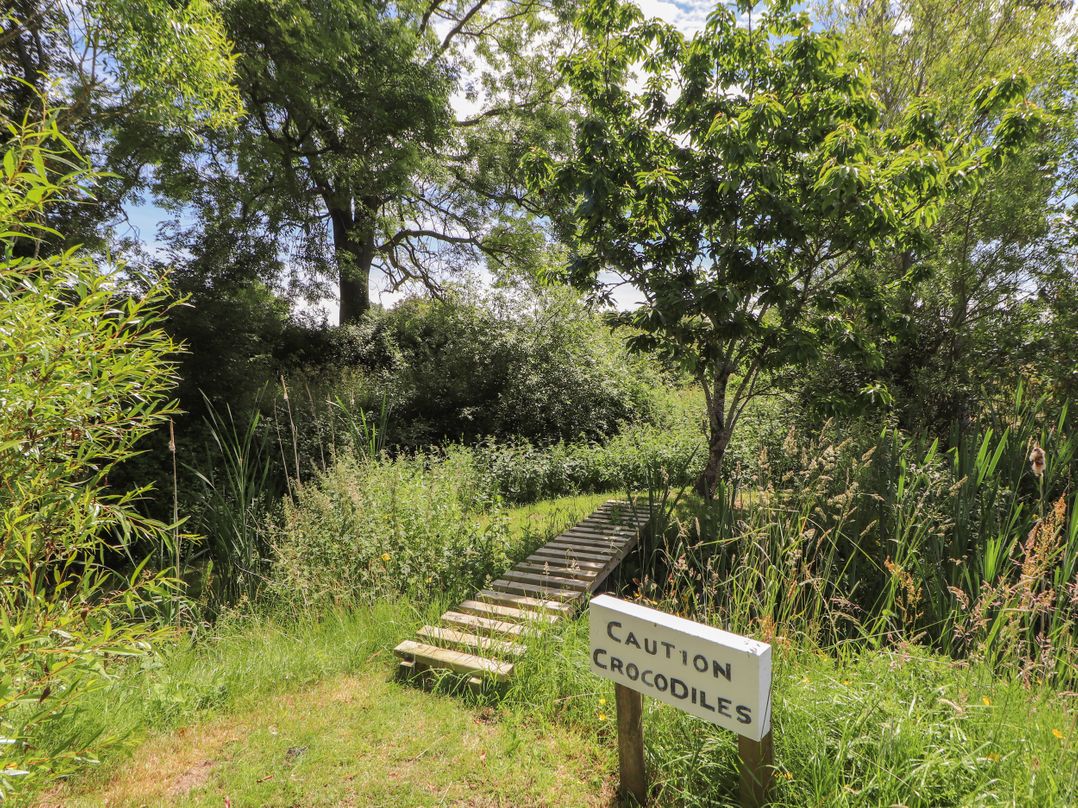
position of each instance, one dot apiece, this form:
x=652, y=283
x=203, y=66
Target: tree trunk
x=718, y=435
x=353, y=248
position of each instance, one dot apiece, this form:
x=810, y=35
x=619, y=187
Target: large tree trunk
x=353, y=247
x=718, y=434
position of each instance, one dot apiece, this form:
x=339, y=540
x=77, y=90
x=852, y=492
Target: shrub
x=366, y=529
x=84, y=375
x=540, y=368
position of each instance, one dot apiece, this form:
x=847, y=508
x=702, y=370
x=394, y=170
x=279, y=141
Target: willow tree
x=744, y=183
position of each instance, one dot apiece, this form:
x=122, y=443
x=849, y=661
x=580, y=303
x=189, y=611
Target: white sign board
x=718, y=676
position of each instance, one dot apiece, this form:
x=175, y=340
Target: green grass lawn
x=294, y=710
x=355, y=739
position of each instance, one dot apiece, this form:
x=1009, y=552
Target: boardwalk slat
x=524, y=601
x=481, y=609
x=550, y=592
x=560, y=570
x=475, y=623
x=457, y=661
x=541, y=579
x=554, y=557
x=471, y=643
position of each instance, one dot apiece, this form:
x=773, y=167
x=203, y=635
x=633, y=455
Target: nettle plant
x=744, y=182
x=84, y=375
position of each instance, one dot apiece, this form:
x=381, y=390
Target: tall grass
x=876, y=539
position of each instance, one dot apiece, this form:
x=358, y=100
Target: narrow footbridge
x=482, y=637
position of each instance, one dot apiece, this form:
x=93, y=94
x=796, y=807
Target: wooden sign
x=721, y=677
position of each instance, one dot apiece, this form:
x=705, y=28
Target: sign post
x=718, y=676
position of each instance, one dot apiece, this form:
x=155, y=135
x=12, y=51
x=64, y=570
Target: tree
x=352, y=158
x=745, y=190
x=85, y=375
x=110, y=70
x=973, y=324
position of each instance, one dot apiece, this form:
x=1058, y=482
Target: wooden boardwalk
x=483, y=637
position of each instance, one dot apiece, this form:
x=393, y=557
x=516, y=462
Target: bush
x=85, y=376
x=366, y=529
x=540, y=368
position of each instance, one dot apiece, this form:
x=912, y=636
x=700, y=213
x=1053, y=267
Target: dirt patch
x=191, y=779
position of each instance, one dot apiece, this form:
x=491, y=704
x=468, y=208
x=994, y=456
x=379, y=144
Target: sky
x=144, y=220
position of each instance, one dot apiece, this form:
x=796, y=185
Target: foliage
x=852, y=727
x=365, y=530
x=983, y=316
x=746, y=188
x=84, y=375
x=351, y=164
x=167, y=62
x=541, y=368
x=872, y=536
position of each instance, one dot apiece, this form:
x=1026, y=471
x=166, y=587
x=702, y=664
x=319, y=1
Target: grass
x=287, y=709
x=852, y=728
x=357, y=739
x=283, y=712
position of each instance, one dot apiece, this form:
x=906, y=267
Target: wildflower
x=846, y=682
x=1036, y=460
x=987, y=702
x=992, y=756
x=788, y=775
x=804, y=680
x=602, y=702
x=1058, y=733
x=602, y=716
x=385, y=556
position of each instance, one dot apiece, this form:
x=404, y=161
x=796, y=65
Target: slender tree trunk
x=353, y=247
x=718, y=434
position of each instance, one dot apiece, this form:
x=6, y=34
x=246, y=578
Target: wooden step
x=603, y=531
x=598, y=542
x=544, y=579
x=574, y=554
x=583, y=551
x=458, y=661
x=472, y=643
x=488, y=625
x=557, y=569
x=617, y=534
x=523, y=602
x=494, y=610
x=556, y=557
x=552, y=592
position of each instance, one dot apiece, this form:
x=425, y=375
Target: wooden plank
x=597, y=543
x=542, y=556
x=453, y=660
x=494, y=610
x=583, y=551
x=604, y=527
x=544, y=579
x=470, y=642
x=552, y=592
x=573, y=555
x=602, y=535
x=559, y=569
x=476, y=623
x=757, y=772
x=524, y=602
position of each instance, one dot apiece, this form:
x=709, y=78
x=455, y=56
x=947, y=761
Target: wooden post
x=634, y=781
x=757, y=758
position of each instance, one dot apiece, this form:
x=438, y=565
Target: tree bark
x=353, y=248
x=718, y=434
